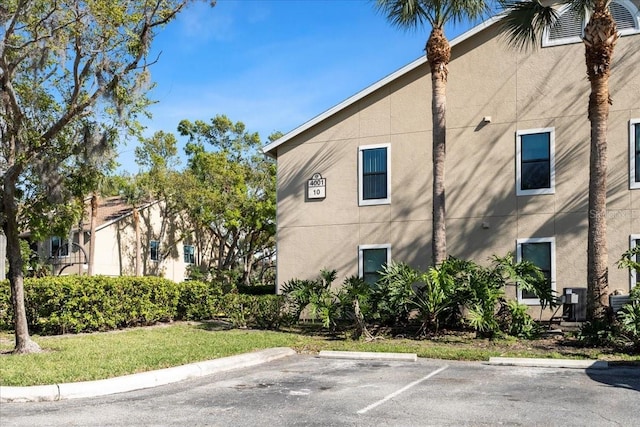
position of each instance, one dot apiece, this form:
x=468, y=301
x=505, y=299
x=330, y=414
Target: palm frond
x=581, y=7
x=463, y=10
x=405, y=14
x=525, y=21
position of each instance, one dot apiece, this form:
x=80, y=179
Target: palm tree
x=411, y=14
x=524, y=23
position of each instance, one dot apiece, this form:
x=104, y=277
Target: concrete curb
x=549, y=363
x=141, y=380
x=360, y=355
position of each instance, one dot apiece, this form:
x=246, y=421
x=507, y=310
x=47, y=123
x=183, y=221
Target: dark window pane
x=374, y=174
x=637, y=127
x=638, y=260
x=540, y=255
x=189, y=255
x=59, y=247
x=372, y=262
x=535, y=146
x=374, y=160
x=154, y=249
x=535, y=161
x=374, y=186
x=536, y=175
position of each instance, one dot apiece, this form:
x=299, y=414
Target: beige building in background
x=354, y=183
x=163, y=252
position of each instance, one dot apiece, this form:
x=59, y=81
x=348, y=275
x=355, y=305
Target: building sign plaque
x=316, y=187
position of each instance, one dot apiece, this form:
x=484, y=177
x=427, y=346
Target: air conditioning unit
x=574, y=304
x=617, y=301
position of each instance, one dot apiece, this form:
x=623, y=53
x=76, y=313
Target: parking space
x=310, y=391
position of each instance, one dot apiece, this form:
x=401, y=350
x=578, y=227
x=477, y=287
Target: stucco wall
x=115, y=248
x=544, y=88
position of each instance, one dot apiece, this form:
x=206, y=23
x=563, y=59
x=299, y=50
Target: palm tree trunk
x=600, y=38
x=24, y=344
x=438, y=54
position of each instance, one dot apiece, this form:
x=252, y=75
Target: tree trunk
x=92, y=233
x=600, y=37
x=438, y=55
x=136, y=224
x=24, y=344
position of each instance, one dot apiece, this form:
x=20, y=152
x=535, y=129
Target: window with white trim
x=634, y=241
x=59, y=247
x=189, y=254
x=371, y=259
x=569, y=27
x=541, y=252
x=634, y=153
x=535, y=162
x=374, y=174
x=154, y=250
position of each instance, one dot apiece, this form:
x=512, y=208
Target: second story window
x=535, y=163
x=374, y=178
x=634, y=154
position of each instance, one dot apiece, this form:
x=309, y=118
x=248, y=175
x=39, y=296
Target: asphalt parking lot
x=305, y=390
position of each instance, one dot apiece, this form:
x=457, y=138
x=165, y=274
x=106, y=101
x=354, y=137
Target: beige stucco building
x=516, y=171
x=163, y=251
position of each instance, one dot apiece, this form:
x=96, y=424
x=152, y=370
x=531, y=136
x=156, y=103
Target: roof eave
x=271, y=148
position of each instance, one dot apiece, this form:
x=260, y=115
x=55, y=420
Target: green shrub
x=393, y=294
x=71, y=304
x=629, y=319
x=199, y=300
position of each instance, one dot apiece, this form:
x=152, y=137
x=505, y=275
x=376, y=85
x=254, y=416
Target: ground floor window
x=634, y=243
x=371, y=259
x=541, y=252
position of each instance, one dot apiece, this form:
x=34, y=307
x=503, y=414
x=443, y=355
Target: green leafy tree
x=229, y=196
x=524, y=23
x=411, y=14
x=71, y=71
x=159, y=181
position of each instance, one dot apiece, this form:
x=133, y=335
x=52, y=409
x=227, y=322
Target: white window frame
x=362, y=248
x=547, y=42
x=632, y=8
x=157, y=259
x=633, y=184
x=552, y=241
x=552, y=162
x=61, y=244
x=373, y=202
x=632, y=244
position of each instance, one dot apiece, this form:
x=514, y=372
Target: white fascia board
x=269, y=149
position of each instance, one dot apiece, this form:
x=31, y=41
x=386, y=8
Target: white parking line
x=402, y=390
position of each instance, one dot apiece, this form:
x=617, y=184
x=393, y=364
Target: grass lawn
x=85, y=357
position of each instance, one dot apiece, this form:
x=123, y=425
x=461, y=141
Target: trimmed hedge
x=73, y=304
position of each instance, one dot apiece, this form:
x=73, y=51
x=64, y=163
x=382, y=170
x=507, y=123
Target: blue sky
x=271, y=64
